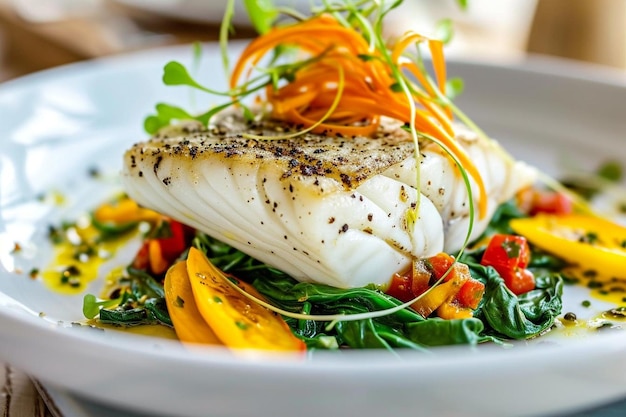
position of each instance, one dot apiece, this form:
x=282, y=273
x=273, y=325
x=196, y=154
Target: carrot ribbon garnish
x=366, y=86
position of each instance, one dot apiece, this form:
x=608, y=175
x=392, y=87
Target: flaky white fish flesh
x=321, y=209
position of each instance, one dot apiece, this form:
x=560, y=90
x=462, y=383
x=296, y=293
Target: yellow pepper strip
x=435, y=297
x=158, y=263
x=237, y=321
x=583, y=240
x=188, y=323
x=450, y=310
x=124, y=211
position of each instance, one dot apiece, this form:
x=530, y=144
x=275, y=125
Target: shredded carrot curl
x=367, y=85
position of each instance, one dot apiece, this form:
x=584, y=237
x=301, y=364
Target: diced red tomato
x=174, y=245
x=416, y=280
x=420, y=280
x=400, y=286
x=142, y=258
x=455, y=297
x=520, y=282
x=551, y=202
x=440, y=264
x=507, y=252
x=471, y=293
x=158, y=254
x=535, y=201
x=509, y=255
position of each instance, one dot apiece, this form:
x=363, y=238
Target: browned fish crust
x=350, y=161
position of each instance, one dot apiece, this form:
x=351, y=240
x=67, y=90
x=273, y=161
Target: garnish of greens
x=363, y=79
x=501, y=315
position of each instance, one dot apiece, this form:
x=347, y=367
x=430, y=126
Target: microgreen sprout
x=92, y=307
x=262, y=14
x=445, y=30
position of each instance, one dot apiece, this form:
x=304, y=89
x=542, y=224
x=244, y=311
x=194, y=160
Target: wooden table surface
x=18, y=396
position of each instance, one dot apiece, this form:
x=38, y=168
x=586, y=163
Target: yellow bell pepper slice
x=237, y=321
x=584, y=240
x=450, y=310
x=435, y=297
x=189, y=324
x=125, y=211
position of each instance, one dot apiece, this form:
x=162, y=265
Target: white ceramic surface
x=56, y=125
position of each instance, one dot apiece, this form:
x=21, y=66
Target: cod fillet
x=323, y=209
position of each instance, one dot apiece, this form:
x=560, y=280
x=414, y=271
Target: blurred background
x=39, y=34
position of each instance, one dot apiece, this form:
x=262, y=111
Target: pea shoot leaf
x=175, y=73
x=262, y=14
x=611, y=171
x=165, y=113
x=462, y=4
x=91, y=305
x=454, y=87
x=445, y=30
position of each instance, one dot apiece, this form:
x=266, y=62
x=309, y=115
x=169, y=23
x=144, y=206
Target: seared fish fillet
x=322, y=209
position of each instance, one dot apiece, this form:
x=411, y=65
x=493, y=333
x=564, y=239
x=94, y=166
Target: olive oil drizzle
x=79, y=251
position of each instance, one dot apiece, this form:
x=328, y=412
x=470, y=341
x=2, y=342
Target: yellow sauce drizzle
x=604, y=288
x=76, y=263
x=152, y=330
